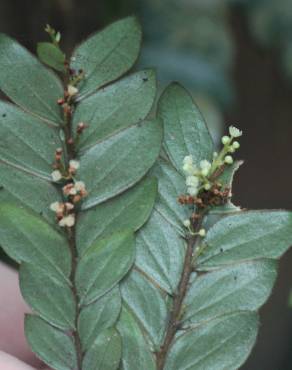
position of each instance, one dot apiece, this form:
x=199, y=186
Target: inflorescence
x=202, y=188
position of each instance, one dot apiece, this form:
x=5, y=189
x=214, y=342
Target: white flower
x=207, y=186
x=189, y=169
x=202, y=232
x=205, y=167
x=74, y=164
x=228, y=159
x=72, y=90
x=56, y=175
x=79, y=186
x=188, y=160
x=56, y=207
x=234, y=132
x=68, y=221
x=192, y=181
x=69, y=206
x=193, y=191
x=187, y=223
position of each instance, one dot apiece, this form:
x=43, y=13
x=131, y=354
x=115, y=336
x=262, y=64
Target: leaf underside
x=233, y=277
x=116, y=152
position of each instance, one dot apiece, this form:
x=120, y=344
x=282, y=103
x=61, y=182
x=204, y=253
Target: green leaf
x=27, y=143
x=184, y=127
x=29, y=84
x=219, y=344
x=171, y=184
x=135, y=348
x=104, y=265
x=105, y=352
x=246, y=236
x=116, y=107
x=108, y=54
x=51, y=345
x=30, y=190
x=116, y=164
x=25, y=237
x=128, y=210
x=160, y=253
x=242, y=287
x=50, y=297
x=98, y=316
x=147, y=303
x=51, y=55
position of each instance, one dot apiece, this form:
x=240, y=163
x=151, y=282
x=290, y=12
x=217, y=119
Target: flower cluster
x=74, y=192
x=202, y=176
x=60, y=173
x=64, y=213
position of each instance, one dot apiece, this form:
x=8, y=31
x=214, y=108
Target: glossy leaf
x=99, y=316
x=51, y=345
x=29, y=84
x=219, y=344
x=47, y=295
x=116, y=107
x=103, y=265
x=116, y=164
x=128, y=210
x=105, y=353
x=246, y=236
x=51, y=55
x=108, y=54
x=25, y=237
x=184, y=127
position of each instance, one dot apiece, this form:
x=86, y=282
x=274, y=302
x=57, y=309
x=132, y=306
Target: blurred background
x=235, y=56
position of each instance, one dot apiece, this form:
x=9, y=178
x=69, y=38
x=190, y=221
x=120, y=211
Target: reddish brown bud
x=61, y=101
x=70, y=141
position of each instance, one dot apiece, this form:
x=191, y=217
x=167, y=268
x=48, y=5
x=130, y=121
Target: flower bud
x=228, y=159
x=225, y=140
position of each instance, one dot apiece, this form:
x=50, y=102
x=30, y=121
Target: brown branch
x=175, y=315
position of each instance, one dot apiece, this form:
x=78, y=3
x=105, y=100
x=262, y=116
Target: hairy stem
x=175, y=315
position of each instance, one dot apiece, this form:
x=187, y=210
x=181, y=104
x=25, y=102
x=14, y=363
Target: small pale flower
x=68, y=221
x=72, y=90
x=189, y=169
x=79, y=186
x=207, y=186
x=187, y=223
x=56, y=175
x=188, y=159
x=69, y=206
x=69, y=189
x=234, y=132
x=192, y=181
x=74, y=164
x=236, y=145
x=56, y=207
x=205, y=167
x=193, y=191
x=228, y=159
x=202, y=232
x=215, y=155
x=225, y=140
